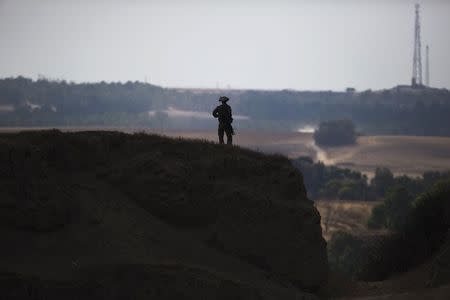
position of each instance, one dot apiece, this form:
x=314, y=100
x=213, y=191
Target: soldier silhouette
x=223, y=113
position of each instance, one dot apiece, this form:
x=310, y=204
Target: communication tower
x=417, y=59
x=427, y=67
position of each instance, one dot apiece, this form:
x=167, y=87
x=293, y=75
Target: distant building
x=408, y=88
x=350, y=90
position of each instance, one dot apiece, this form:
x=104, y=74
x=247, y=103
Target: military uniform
x=224, y=115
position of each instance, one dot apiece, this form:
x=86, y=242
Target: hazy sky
x=309, y=44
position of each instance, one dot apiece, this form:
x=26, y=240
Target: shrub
x=421, y=233
x=430, y=216
x=331, y=188
x=397, y=208
x=394, y=210
x=377, y=218
x=344, y=253
x=382, y=181
x=367, y=258
x=347, y=192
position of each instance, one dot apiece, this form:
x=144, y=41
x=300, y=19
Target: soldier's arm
x=216, y=112
x=230, y=114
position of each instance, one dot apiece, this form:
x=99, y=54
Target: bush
x=420, y=234
x=430, y=216
x=331, y=188
x=377, y=219
x=382, y=181
x=344, y=253
x=335, y=133
x=347, y=192
x=394, y=210
x=371, y=258
x=397, y=208
x=427, y=224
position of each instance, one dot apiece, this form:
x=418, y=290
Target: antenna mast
x=417, y=59
x=427, y=68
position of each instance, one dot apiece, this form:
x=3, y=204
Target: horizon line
x=210, y=89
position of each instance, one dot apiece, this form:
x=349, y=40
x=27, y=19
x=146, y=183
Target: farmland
x=410, y=155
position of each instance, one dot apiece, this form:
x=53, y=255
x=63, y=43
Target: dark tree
x=382, y=181
x=335, y=133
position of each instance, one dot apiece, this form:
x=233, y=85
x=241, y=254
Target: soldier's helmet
x=223, y=99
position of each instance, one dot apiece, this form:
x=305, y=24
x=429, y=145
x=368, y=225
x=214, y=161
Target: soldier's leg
x=229, y=133
x=220, y=132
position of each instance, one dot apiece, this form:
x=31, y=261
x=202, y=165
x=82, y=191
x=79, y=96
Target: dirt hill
x=107, y=215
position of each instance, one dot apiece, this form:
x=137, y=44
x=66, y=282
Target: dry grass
x=291, y=144
x=348, y=216
x=411, y=155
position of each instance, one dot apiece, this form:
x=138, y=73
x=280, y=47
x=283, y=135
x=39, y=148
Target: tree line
x=416, y=212
x=331, y=182
x=419, y=224
x=394, y=111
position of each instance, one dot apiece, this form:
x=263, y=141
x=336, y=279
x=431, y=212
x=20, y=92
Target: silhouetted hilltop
x=107, y=215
